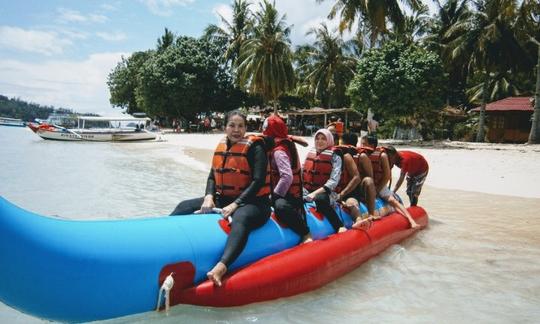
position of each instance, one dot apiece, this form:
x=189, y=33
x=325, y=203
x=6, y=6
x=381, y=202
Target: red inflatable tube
x=303, y=268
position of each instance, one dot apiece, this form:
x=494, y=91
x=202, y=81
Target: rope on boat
x=166, y=287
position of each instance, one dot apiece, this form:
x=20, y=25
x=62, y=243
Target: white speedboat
x=99, y=129
x=5, y=121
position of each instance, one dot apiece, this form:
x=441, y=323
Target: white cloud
x=109, y=6
x=112, y=36
x=78, y=85
x=35, y=41
x=68, y=16
x=164, y=7
x=222, y=10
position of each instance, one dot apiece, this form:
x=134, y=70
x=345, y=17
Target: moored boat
x=98, y=129
x=14, y=122
x=89, y=270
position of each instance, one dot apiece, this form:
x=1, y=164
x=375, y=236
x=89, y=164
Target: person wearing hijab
x=285, y=178
x=322, y=174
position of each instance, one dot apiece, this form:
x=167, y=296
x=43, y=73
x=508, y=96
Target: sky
x=60, y=52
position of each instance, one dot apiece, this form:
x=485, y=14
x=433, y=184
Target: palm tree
x=449, y=14
x=529, y=26
x=265, y=61
x=487, y=44
x=377, y=13
x=331, y=67
x=235, y=33
x=414, y=26
x=166, y=40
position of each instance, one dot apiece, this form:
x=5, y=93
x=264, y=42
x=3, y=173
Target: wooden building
x=509, y=119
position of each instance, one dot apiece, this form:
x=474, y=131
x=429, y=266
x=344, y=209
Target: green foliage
x=124, y=79
x=183, y=80
x=265, y=62
x=328, y=68
x=466, y=130
x=16, y=108
x=398, y=81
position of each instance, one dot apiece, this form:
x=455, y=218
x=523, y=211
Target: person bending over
x=286, y=178
x=322, y=172
x=382, y=176
x=412, y=165
x=239, y=184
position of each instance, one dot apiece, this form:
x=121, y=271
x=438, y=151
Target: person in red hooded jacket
x=286, y=178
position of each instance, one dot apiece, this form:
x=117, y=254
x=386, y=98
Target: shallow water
x=476, y=262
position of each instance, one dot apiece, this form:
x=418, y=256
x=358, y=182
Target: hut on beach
x=509, y=119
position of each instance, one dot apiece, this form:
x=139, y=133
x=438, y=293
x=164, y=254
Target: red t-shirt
x=412, y=163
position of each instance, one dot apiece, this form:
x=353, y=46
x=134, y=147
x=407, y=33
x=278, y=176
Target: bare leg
x=217, y=273
x=402, y=210
x=371, y=193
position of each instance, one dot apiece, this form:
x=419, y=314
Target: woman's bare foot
x=362, y=224
x=306, y=239
x=342, y=229
x=216, y=273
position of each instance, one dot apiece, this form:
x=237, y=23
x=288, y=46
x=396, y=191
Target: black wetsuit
x=252, y=211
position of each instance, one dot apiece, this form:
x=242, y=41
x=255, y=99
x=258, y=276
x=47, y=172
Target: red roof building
x=509, y=119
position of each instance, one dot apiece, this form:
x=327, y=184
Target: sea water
x=478, y=261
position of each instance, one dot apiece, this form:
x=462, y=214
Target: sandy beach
x=501, y=169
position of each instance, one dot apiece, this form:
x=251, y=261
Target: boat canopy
x=120, y=118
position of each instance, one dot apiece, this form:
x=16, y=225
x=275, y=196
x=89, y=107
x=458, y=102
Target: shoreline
x=499, y=169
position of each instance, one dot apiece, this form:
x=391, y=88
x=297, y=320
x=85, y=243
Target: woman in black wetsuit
x=239, y=184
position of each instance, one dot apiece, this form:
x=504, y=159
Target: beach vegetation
x=327, y=68
x=402, y=63
x=234, y=33
x=399, y=81
x=265, y=61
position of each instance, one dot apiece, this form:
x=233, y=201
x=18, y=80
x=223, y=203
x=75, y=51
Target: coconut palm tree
x=166, y=40
x=235, y=33
x=534, y=135
x=414, y=26
x=449, y=14
x=486, y=43
x=377, y=13
x=331, y=67
x=265, y=61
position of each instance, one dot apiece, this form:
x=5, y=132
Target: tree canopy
x=398, y=80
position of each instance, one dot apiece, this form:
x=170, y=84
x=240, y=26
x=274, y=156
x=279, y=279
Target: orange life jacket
x=232, y=172
x=317, y=169
x=345, y=176
x=287, y=145
x=376, y=164
x=339, y=128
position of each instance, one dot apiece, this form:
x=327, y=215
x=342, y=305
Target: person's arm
x=352, y=170
x=283, y=164
x=385, y=165
x=400, y=180
x=208, y=202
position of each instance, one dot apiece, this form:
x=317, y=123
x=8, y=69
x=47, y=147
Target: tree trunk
x=480, y=135
x=534, y=135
